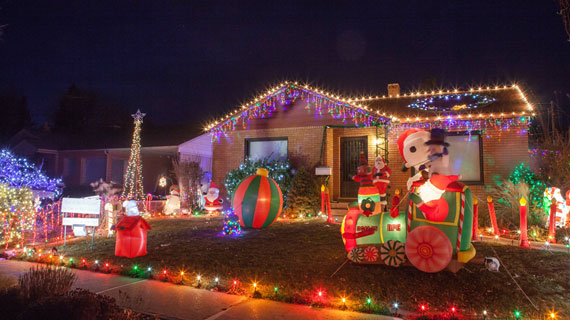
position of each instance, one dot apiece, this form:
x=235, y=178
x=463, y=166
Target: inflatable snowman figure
x=425, y=151
x=131, y=208
x=415, y=152
x=172, y=205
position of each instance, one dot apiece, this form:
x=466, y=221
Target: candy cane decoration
x=461, y=221
x=110, y=218
x=409, y=216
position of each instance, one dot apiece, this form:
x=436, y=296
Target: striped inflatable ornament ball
x=258, y=201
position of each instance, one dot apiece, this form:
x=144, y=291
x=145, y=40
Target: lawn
x=299, y=257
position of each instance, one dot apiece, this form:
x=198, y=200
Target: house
x=61, y=156
x=487, y=130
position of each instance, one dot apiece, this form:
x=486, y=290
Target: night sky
x=182, y=61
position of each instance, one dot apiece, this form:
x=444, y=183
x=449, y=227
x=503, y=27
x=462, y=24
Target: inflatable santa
x=381, y=178
x=212, y=198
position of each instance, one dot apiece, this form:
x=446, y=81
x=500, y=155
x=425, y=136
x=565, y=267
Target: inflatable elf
x=368, y=196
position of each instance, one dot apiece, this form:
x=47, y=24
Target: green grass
x=299, y=258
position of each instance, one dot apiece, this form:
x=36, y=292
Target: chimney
x=393, y=90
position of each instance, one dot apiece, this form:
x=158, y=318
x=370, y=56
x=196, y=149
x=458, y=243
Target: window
x=95, y=169
x=465, y=156
x=69, y=167
x=117, y=170
x=271, y=148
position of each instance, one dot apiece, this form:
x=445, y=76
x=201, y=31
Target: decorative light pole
x=133, y=187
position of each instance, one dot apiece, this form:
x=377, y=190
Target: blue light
x=19, y=173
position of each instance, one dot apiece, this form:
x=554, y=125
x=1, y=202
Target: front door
x=350, y=149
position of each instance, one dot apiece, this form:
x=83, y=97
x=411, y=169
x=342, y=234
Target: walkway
x=183, y=302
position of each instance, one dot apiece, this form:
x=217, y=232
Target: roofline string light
x=262, y=107
x=243, y=114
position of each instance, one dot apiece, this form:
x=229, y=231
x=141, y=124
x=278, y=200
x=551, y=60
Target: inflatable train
x=405, y=238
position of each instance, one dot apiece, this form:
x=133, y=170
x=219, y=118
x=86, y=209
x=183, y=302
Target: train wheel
x=428, y=249
x=393, y=253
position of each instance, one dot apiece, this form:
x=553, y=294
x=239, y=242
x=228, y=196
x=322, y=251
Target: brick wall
x=303, y=148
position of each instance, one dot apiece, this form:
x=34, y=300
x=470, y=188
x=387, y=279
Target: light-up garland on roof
x=458, y=122
x=434, y=103
x=288, y=94
x=19, y=173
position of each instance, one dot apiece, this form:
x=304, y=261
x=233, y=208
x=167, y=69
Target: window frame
x=481, y=181
x=248, y=140
x=477, y=133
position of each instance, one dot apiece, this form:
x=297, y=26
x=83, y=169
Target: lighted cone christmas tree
x=133, y=187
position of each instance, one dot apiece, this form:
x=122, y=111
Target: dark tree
x=72, y=113
x=565, y=13
x=91, y=121
x=15, y=115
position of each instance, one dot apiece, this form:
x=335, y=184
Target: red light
x=83, y=260
x=164, y=271
x=235, y=282
x=452, y=309
x=320, y=293
x=423, y=307
x=106, y=265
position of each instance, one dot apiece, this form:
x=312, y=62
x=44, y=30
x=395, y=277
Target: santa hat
x=363, y=161
x=213, y=185
x=407, y=135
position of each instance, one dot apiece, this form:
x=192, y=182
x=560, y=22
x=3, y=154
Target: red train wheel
x=428, y=249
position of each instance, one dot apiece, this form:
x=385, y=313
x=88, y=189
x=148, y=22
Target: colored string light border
x=317, y=296
x=287, y=95
x=451, y=102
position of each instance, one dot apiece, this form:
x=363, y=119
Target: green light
x=136, y=267
x=369, y=300
x=275, y=289
x=517, y=314
x=70, y=260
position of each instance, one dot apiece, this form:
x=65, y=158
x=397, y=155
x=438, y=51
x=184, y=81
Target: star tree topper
x=139, y=115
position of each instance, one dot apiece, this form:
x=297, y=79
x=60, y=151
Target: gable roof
x=289, y=92
x=497, y=102
x=476, y=105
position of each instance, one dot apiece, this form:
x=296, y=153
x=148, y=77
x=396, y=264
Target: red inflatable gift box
x=131, y=237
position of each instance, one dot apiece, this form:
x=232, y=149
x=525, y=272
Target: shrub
x=303, y=197
x=278, y=171
x=78, y=304
x=522, y=182
x=45, y=281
